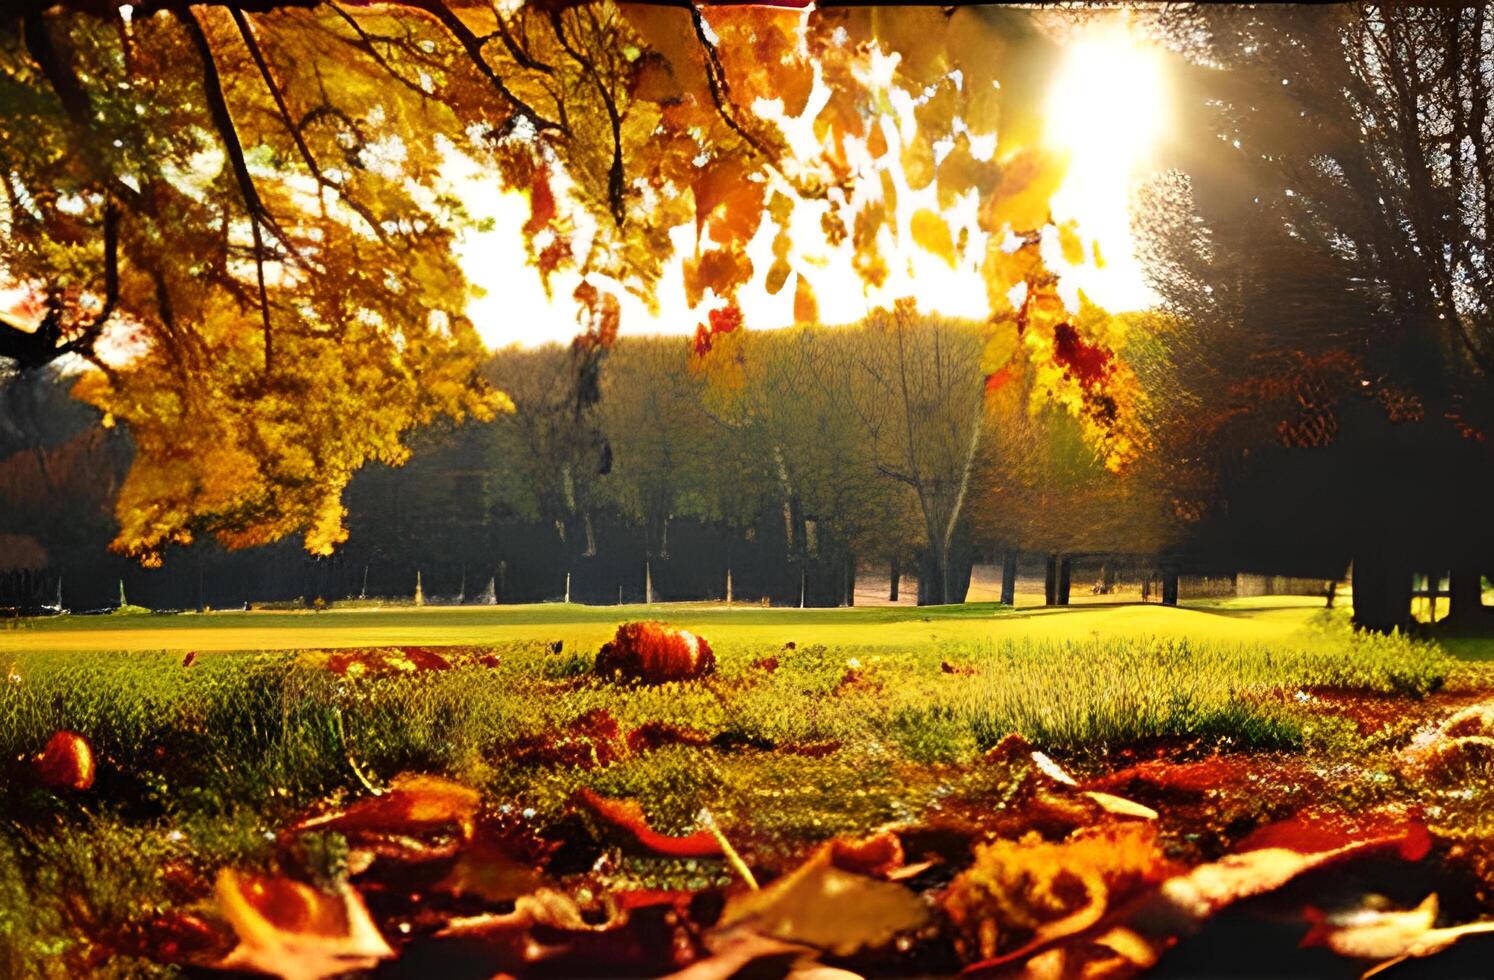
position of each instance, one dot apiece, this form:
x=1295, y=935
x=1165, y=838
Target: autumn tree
x=551, y=449
x=1045, y=489
x=240, y=216
x=260, y=282
x=1350, y=147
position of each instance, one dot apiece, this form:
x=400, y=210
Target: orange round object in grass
x=66, y=762
x=655, y=653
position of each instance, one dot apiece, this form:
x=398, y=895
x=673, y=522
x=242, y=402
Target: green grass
x=201, y=764
x=891, y=627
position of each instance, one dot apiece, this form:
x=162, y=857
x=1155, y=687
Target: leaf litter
x=1098, y=876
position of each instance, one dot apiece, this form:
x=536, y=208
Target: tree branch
x=223, y=122
x=65, y=83
x=615, y=172
x=247, y=33
x=472, y=44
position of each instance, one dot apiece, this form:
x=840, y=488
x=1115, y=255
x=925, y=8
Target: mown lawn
x=1264, y=619
x=816, y=723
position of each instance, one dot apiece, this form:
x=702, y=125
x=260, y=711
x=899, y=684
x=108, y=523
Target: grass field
x=863, y=717
x=1265, y=619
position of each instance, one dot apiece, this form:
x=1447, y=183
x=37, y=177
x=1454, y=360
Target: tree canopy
x=237, y=214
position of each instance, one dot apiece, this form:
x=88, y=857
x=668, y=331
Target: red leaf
x=380, y=661
x=654, y=734
x=628, y=817
x=541, y=202
x=290, y=930
x=1088, y=364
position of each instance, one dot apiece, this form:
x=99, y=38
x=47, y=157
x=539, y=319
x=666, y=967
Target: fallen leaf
x=1133, y=936
x=1391, y=935
x=810, y=905
x=493, y=869
x=1120, y=806
x=412, y=804
x=66, y=762
x=878, y=855
x=628, y=817
x=655, y=734
x=290, y=930
x=548, y=927
x=385, y=661
x=734, y=951
x=1020, y=896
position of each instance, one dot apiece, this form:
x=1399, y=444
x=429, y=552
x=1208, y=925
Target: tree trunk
x=850, y=580
x=1382, y=592
x=1169, y=586
x=1009, y=579
x=896, y=574
x=1465, y=594
x=1065, y=569
x=957, y=584
x=1430, y=591
x=1050, y=582
x=930, y=579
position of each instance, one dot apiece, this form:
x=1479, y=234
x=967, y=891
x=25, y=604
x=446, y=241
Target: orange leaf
x=628, y=816
x=727, y=199
x=722, y=270
x=66, y=762
x=414, y=803
x=806, y=308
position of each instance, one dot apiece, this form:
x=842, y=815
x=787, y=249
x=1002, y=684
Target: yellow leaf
x=1068, y=241
x=808, y=906
x=778, y=274
x=918, y=161
x=932, y=234
x=1020, y=199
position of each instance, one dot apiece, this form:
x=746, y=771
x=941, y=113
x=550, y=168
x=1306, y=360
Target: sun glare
x=1107, y=111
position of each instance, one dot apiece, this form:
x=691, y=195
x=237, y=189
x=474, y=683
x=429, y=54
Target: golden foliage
x=302, y=308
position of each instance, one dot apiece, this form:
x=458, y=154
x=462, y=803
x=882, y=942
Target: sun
x=1107, y=111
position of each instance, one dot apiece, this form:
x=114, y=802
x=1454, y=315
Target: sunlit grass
x=202, y=763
